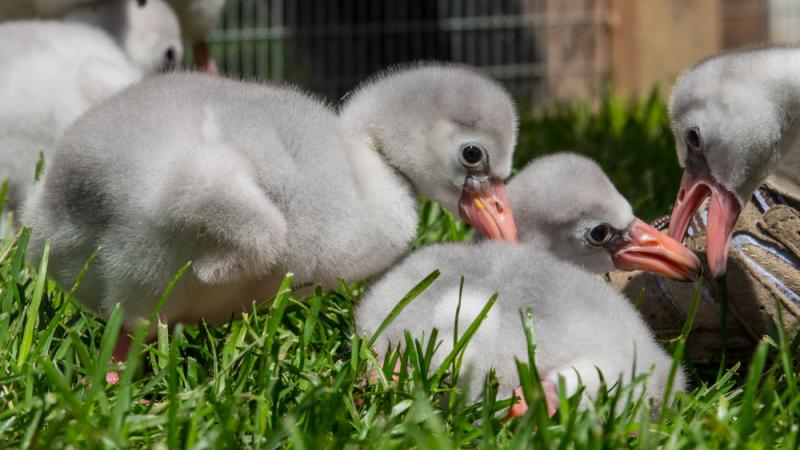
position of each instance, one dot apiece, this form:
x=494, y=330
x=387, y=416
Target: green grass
x=291, y=373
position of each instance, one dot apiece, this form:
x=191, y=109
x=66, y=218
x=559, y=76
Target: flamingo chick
x=250, y=181
x=198, y=18
x=581, y=323
x=734, y=117
x=565, y=204
x=147, y=30
x=566, y=209
x=52, y=72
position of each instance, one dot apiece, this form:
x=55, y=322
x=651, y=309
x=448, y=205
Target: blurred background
x=543, y=50
x=590, y=76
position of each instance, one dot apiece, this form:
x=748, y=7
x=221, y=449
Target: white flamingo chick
x=38, y=9
x=735, y=121
x=581, y=323
x=565, y=204
x=198, y=18
x=250, y=181
x=147, y=30
x=51, y=73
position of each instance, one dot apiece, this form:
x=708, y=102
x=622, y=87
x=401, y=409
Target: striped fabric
x=762, y=257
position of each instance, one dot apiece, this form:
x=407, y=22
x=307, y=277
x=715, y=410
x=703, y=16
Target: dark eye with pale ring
x=472, y=155
x=141, y=3
x=693, y=139
x=599, y=234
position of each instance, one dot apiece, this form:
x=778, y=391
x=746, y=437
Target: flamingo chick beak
x=484, y=205
x=723, y=210
x=643, y=247
x=203, y=58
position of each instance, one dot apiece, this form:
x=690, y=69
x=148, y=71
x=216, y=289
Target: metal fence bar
x=329, y=46
x=452, y=24
x=535, y=47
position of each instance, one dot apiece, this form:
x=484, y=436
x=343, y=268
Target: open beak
x=484, y=205
x=643, y=247
x=723, y=210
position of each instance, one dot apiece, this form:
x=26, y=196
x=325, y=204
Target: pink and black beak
x=723, y=210
x=642, y=247
x=484, y=205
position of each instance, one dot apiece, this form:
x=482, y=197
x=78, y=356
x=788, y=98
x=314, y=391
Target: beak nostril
x=498, y=206
x=681, y=195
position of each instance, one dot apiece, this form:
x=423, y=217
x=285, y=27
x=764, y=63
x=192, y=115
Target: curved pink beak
x=723, y=210
x=484, y=205
x=646, y=248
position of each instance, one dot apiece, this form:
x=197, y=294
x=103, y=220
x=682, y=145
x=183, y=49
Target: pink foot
x=112, y=377
x=372, y=377
x=120, y=354
x=373, y=373
x=550, y=396
x=519, y=408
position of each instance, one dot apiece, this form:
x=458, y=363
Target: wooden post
x=653, y=41
x=577, y=54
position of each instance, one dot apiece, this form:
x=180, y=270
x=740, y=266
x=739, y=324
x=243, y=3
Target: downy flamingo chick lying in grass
x=581, y=323
x=250, y=181
x=567, y=211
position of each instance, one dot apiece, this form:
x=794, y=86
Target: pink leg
x=203, y=59
x=120, y=354
x=372, y=377
x=373, y=374
x=519, y=408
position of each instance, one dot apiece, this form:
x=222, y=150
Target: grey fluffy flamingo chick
x=147, y=30
x=250, y=181
x=42, y=9
x=735, y=120
x=581, y=323
x=565, y=204
x=198, y=18
x=51, y=73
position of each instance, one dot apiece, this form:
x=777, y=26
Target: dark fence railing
x=329, y=46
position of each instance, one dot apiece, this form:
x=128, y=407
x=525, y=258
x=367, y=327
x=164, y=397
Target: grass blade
x=408, y=298
x=746, y=412
x=465, y=338
x=10, y=291
x=3, y=195
x=677, y=356
x=33, y=309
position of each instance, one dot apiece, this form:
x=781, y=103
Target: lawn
x=292, y=374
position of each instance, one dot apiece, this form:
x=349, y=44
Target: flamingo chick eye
x=471, y=155
x=693, y=139
x=599, y=234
